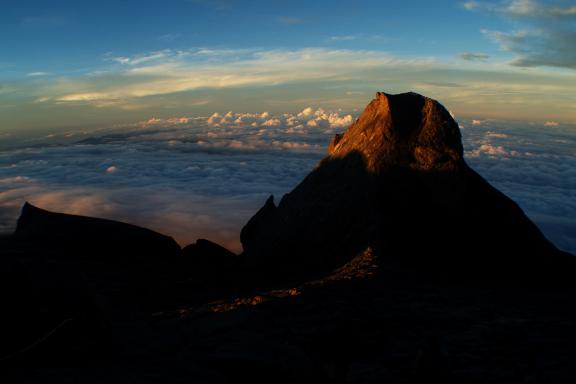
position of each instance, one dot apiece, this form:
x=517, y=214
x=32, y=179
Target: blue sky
x=66, y=64
x=66, y=35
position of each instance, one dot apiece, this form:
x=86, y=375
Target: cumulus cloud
x=272, y=122
x=306, y=112
x=490, y=150
x=546, y=35
x=496, y=135
x=288, y=122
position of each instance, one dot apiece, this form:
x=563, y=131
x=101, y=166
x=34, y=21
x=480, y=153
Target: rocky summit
x=396, y=182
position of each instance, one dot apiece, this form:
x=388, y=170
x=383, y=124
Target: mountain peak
x=396, y=182
x=406, y=130
x=83, y=236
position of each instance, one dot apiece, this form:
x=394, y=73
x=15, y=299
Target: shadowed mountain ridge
x=86, y=236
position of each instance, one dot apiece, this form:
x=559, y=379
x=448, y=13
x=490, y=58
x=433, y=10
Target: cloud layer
x=535, y=165
x=206, y=176
x=193, y=177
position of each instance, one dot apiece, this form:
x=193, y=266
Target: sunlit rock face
x=406, y=130
x=396, y=181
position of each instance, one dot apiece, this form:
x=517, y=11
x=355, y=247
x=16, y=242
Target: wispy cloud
x=5, y=89
x=535, y=9
x=544, y=34
x=141, y=59
x=37, y=74
x=167, y=72
x=441, y=84
x=344, y=38
x=171, y=80
x=469, y=56
x=356, y=37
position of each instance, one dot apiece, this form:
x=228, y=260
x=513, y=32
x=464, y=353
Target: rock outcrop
x=86, y=237
x=205, y=254
x=396, y=181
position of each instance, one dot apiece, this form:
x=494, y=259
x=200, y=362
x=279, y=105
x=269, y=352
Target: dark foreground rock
x=63, y=277
x=396, y=181
x=209, y=254
x=81, y=236
x=347, y=330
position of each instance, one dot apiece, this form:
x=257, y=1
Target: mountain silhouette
x=396, y=182
x=85, y=236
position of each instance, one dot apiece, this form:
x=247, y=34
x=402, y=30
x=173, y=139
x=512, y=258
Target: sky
x=203, y=108
x=66, y=64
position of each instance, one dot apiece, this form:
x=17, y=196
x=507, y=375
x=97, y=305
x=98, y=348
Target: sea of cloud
x=535, y=165
x=204, y=177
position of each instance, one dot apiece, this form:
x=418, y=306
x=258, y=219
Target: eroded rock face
x=396, y=181
x=82, y=236
x=406, y=130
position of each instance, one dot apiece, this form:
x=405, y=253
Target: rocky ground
x=361, y=324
